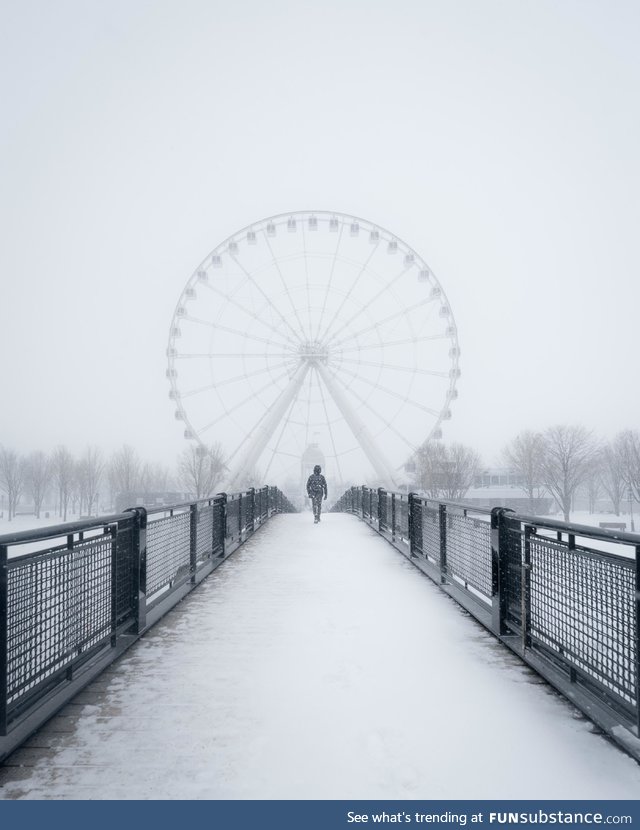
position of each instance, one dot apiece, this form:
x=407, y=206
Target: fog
x=498, y=140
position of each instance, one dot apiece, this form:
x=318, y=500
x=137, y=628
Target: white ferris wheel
x=313, y=328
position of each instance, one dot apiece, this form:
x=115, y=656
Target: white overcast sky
x=500, y=139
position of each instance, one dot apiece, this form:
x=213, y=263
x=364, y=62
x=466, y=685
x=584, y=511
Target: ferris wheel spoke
x=348, y=294
x=234, y=379
x=388, y=319
x=252, y=314
x=274, y=452
x=386, y=343
x=308, y=419
x=241, y=332
x=291, y=355
x=256, y=442
x=267, y=299
x=392, y=392
x=286, y=290
x=359, y=429
x=333, y=442
x=367, y=305
x=329, y=283
x=414, y=370
x=306, y=274
x=372, y=409
x=243, y=402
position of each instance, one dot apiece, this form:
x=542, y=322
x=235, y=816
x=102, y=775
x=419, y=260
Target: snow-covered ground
x=317, y=662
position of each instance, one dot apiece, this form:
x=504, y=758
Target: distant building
x=503, y=487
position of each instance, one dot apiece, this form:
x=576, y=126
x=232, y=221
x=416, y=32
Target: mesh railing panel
x=582, y=606
x=233, y=509
x=168, y=550
x=430, y=526
x=402, y=516
x=204, y=531
x=217, y=518
x=469, y=551
x=384, y=509
x=58, y=606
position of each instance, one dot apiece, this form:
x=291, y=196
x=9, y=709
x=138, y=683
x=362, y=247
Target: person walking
x=316, y=489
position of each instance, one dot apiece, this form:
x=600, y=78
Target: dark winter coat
x=316, y=486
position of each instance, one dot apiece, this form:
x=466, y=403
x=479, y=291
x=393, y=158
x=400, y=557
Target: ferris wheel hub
x=313, y=352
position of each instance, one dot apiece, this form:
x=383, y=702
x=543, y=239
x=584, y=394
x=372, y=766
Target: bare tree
x=613, y=472
x=154, y=478
x=12, y=475
x=200, y=469
x=593, y=482
x=446, y=471
x=569, y=452
x=524, y=454
x=37, y=478
x=63, y=470
x=428, y=466
x=90, y=469
x=459, y=469
x=629, y=445
x=124, y=471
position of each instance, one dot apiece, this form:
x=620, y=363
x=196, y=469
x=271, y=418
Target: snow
x=317, y=662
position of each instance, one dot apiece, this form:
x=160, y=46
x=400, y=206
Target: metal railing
x=564, y=597
x=73, y=597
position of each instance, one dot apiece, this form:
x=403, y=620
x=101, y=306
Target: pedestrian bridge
x=316, y=663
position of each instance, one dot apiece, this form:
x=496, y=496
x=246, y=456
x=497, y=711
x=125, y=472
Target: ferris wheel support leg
x=259, y=438
x=380, y=464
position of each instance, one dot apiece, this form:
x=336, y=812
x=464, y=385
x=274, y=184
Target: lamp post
x=630, y=497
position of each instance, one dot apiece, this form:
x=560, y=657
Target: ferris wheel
x=313, y=328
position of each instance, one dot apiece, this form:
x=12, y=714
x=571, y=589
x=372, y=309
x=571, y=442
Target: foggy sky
x=498, y=139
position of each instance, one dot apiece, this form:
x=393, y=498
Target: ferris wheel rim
x=195, y=432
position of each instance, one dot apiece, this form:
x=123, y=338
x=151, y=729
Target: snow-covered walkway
x=317, y=662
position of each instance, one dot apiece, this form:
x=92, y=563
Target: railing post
x=362, y=501
x=252, y=507
x=442, y=513
x=193, y=541
x=240, y=517
x=381, y=524
x=139, y=565
x=4, y=636
x=499, y=548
